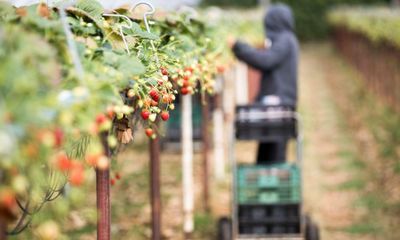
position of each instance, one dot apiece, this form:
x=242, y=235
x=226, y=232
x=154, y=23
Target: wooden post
x=155, y=195
x=187, y=166
x=206, y=152
x=103, y=196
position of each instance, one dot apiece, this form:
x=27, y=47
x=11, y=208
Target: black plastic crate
x=269, y=219
x=269, y=229
x=265, y=123
x=278, y=213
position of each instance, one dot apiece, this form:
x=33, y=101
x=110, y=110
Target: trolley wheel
x=224, y=229
x=311, y=229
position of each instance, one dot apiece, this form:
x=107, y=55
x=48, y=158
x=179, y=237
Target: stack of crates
x=269, y=199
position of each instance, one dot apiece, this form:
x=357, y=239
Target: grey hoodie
x=278, y=64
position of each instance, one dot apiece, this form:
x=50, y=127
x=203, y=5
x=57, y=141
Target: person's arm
x=259, y=58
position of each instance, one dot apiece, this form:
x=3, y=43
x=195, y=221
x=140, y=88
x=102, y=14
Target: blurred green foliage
x=240, y=24
x=311, y=23
x=377, y=24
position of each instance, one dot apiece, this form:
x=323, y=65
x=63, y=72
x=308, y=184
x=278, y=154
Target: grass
x=205, y=225
x=352, y=184
x=363, y=228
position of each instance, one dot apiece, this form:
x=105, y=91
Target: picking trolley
x=267, y=199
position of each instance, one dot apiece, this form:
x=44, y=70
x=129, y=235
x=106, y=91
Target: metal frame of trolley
x=265, y=123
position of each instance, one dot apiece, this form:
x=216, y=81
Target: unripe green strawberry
x=130, y=93
x=152, y=117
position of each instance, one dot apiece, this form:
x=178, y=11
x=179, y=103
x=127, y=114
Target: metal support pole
x=206, y=153
x=103, y=197
x=187, y=166
x=3, y=228
x=219, y=155
x=155, y=195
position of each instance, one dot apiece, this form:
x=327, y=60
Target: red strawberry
x=164, y=71
x=189, y=69
x=184, y=90
x=149, y=132
x=145, y=114
x=76, y=176
x=110, y=113
x=58, y=137
x=165, y=116
x=112, y=182
x=154, y=95
x=154, y=103
x=63, y=162
x=100, y=118
x=186, y=78
x=220, y=69
x=117, y=176
x=92, y=159
x=152, y=92
x=185, y=84
x=7, y=199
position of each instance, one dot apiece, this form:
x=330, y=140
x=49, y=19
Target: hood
x=278, y=18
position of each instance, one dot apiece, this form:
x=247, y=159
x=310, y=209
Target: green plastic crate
x=258, y=184
x=269, y=196
x=176, y=118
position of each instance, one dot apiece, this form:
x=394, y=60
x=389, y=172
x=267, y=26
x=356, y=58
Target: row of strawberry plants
x=51, y=115
x=378, y=24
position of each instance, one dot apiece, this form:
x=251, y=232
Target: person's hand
x=230, y=41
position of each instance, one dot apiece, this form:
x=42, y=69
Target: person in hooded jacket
x=278, y=64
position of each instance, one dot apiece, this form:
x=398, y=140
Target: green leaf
x=92, y=7
x=7, y=12
x=136, y=30
x=127, y=65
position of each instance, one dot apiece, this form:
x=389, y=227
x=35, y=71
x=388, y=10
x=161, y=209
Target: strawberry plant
x=51, y=116
x=378, y=24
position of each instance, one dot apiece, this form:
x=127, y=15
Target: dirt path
x=328, y=146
